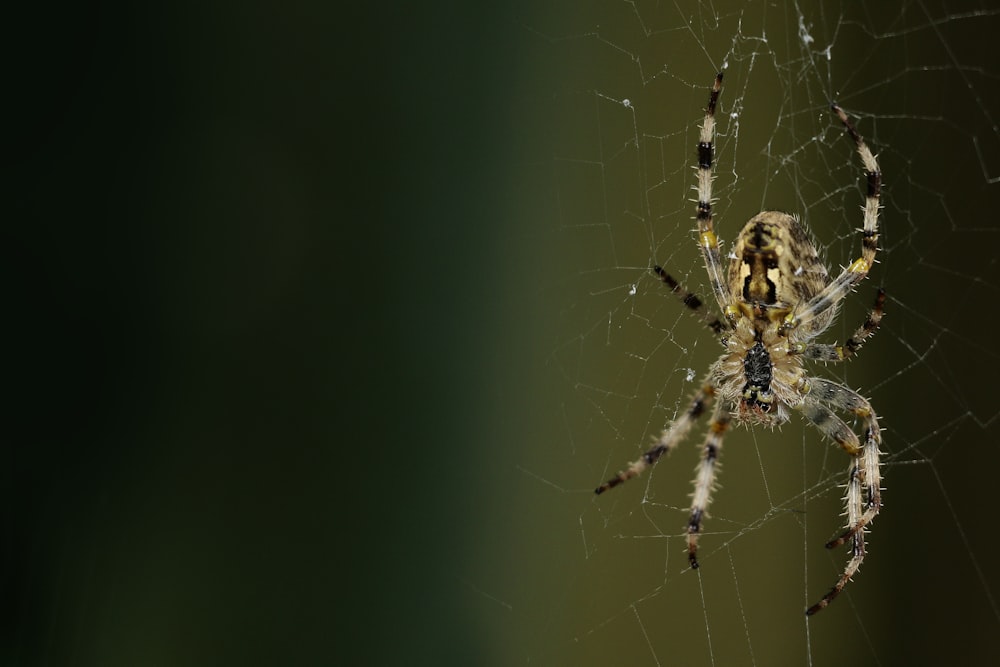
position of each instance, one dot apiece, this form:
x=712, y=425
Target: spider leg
x=868, y=478
x=859, y=268
x=704, y=480
x=823, y=352
x=667, y=441
x=863, y=496
x=691, y=300
x=707, y=240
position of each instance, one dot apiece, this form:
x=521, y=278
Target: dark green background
x=284, y=292
x=250, y=262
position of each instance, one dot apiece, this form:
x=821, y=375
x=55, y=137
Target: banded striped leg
x=707, y=240
x=859, y=268
x=868, y=478
x=824, y=352
x=691, y=300
x=704, y=480
x=863, y=496
x=667, y=441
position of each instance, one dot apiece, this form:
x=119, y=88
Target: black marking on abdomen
x=760, y=254
x=770, y=297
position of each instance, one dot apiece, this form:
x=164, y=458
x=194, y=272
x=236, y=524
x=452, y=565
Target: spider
x=776, y=298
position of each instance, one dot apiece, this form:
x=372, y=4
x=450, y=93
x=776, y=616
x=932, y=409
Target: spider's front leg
x=857, y=271
x=704, y=481
x=708, y=242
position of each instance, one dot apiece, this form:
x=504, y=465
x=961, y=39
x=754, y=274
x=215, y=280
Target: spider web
x=606, y=193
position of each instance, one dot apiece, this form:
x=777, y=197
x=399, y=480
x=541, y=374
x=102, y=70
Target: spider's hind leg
x=864, y=489
x=863, y=495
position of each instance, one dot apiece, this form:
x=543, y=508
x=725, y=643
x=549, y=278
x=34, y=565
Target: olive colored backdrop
x=285, y=326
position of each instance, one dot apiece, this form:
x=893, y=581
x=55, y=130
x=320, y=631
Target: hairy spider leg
x=667, y=441
x=707, y=240
x=704, y=479
x=827, y=352
x=863, y=494
x=691, y=300
x=859, y=268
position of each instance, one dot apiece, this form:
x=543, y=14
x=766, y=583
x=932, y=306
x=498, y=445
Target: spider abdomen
x=774, y=264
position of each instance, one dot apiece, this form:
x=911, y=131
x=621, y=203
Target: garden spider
x=776, y=298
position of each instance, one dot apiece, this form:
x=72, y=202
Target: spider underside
x=776, y=297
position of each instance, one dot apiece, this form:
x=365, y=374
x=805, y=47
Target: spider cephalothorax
x=776, y=298
x=757, y=395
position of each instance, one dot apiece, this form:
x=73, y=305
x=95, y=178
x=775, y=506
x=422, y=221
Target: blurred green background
x=318, y=345
x=253, y=283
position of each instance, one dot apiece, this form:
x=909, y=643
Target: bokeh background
x=317, y=346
